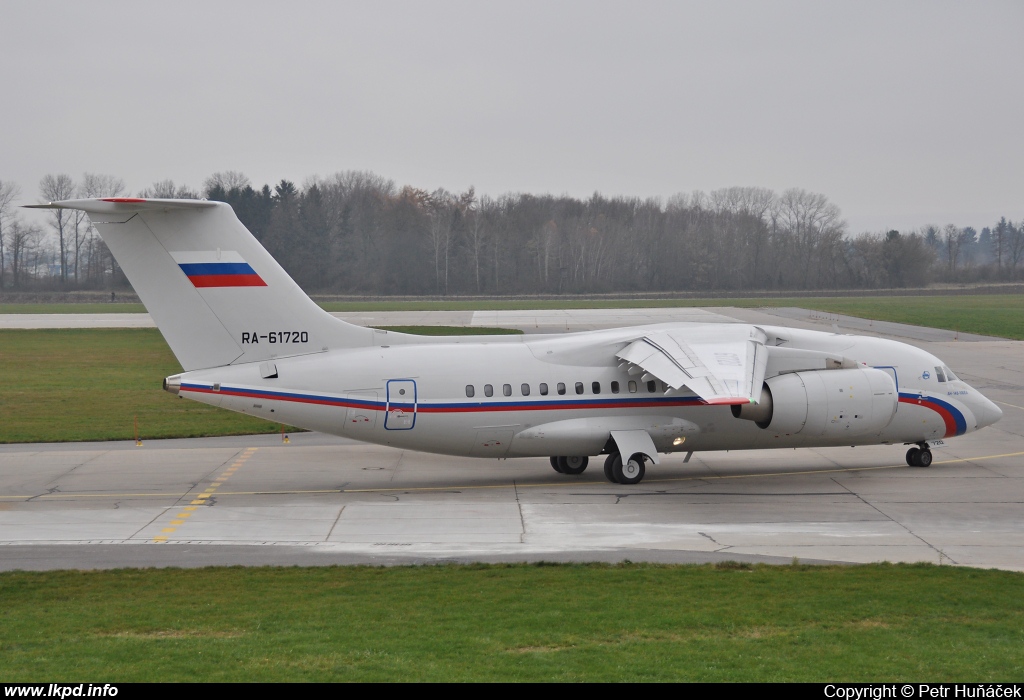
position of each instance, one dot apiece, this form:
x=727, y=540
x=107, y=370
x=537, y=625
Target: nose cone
x=985, y=411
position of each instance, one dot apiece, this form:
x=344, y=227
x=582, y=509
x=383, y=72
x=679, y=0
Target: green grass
x=72, y=309
x=999, y=315
x=524, y=623
x=91, y=384
x=451, y=330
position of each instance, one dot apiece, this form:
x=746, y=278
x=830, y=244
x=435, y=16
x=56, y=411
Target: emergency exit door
x=400, y=412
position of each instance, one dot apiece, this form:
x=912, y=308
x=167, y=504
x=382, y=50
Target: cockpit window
x=950, y=376
x=939, y=374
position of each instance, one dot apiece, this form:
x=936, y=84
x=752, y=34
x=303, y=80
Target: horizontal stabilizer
x=118, y=205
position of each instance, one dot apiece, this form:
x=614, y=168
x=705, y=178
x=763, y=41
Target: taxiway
x=325, y=500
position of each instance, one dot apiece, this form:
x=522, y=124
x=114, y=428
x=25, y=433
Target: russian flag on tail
x=217, y=268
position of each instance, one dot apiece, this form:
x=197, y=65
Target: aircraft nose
x=986, y=412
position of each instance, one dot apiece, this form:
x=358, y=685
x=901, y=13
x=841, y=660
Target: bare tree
x=953, y=239
x=54, y=188
x=815, y=228
x=1015, y=244
x=92, y=185
x=96, y=185
x=166, y=189
x=477, y=233
x=8, y=192
x=441, y=207
x=227, y=180
x=21, y=243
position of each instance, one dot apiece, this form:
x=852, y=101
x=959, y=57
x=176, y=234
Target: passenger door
x=400, y=412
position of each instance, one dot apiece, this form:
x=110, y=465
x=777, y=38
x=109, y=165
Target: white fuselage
x=562, y=394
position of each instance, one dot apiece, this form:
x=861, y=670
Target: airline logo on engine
x=217, y=268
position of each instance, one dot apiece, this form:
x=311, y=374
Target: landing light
x=678, y=441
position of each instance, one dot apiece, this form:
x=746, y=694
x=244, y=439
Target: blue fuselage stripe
x=567, y=403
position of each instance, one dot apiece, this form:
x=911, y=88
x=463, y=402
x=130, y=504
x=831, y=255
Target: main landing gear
x=569, y=465
x=630, y=472
x=919, y=456
x=615, y=470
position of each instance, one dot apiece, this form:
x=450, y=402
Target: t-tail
x=215, y=293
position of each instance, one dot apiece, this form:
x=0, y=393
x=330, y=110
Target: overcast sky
x=902, y=113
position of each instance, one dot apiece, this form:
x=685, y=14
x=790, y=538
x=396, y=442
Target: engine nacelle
x=827, y=403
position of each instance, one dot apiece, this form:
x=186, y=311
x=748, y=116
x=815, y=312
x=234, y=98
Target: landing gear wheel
x=925, y=458
x=572, y=465
x=631, y=471
x=555, y=465
x=609, y=467
x=912, y=455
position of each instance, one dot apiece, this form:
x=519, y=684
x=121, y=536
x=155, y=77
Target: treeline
x=357, y=232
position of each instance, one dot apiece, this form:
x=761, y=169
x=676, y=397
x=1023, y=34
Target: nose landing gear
x=919, y=456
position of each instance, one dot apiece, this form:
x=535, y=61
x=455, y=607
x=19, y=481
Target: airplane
x=250, y=340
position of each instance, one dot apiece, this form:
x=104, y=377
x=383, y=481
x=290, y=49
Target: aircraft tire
x=631, y=471
x=555, y=465
x=925, y=458
x=609, y=466
x=912, y=454
x=572, y=465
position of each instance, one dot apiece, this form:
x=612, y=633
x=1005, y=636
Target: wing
x=720, y=363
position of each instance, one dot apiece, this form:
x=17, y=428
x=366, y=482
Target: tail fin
x=215, y=293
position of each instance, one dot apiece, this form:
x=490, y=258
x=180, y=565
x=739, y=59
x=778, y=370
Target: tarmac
x=320, y=500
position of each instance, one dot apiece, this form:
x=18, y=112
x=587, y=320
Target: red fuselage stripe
x=947, y=417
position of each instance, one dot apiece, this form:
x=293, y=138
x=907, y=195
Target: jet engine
x=829, y=403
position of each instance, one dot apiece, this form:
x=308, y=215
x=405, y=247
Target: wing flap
x=722, y=364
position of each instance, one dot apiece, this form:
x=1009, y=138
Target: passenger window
x=615, y=387
x=525, y=388
x=596, y=387
x=579, y=387
x=470, y=390
x=939, y=375
x=488, y=390
x=561, y=388
x=543, y=389
x=506, y=389
x=632, y=387
x=650, y=387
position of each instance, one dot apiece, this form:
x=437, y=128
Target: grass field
x=72, y=309
x=451, y=330
x=1000, y=315
x=525, y=623
x=91, y=384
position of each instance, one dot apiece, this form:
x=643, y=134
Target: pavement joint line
x=179, y=519
x=1011, y=405
x=200, y=499
x=668, y=480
